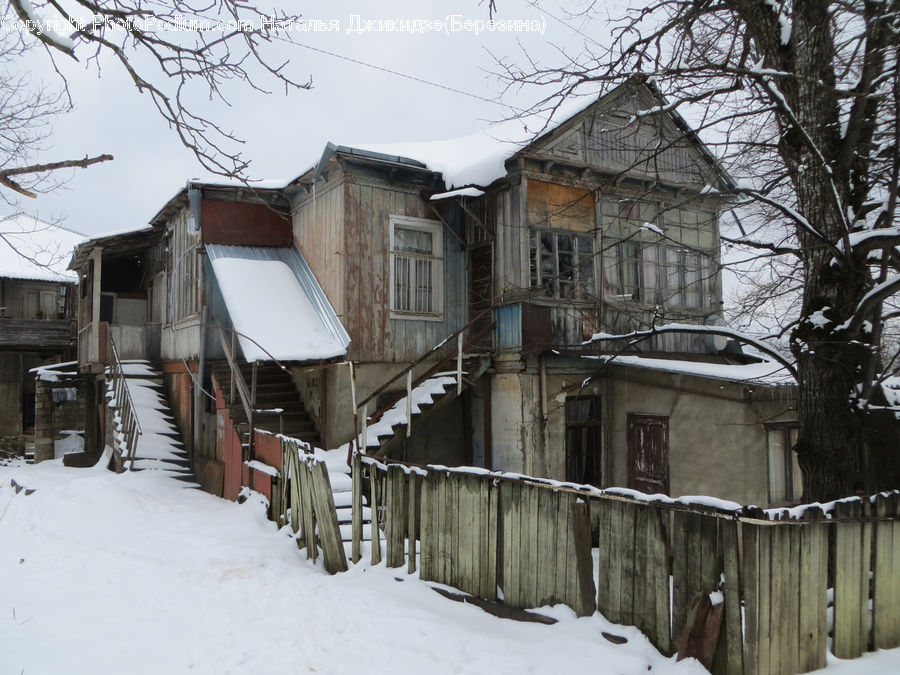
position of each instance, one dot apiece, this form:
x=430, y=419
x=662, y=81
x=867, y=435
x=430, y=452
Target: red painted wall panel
x=242, y=224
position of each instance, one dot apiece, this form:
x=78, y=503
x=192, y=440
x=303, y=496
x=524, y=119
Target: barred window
x=416, y=268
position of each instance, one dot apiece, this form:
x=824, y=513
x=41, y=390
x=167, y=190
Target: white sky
x=286, y=134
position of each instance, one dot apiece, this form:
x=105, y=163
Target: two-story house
x=37, y=327
x=334, y=307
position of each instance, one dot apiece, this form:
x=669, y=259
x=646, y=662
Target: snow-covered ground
x=133, y=573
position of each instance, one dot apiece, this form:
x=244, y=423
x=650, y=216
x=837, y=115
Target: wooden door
x=583, y=440
x=481, y=291
x=648, y=453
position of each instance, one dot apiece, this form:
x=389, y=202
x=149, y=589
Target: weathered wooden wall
x=318, y=222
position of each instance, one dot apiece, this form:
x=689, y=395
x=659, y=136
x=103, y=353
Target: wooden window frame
x=582, y=289
x=436, y=258
x=789, y=465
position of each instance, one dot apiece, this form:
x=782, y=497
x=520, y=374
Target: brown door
x=648, y=453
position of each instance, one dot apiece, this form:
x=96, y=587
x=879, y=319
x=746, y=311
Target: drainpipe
x=201, y=378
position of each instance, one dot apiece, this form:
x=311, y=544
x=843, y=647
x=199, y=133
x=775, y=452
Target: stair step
x=346, y=515
x=347, y=532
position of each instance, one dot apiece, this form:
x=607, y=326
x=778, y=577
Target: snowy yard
x=132, y=573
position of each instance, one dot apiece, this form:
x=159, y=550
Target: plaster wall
x=717, y=437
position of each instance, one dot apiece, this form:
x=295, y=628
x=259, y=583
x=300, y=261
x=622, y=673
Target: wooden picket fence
x=302, y=497
x=659, y=561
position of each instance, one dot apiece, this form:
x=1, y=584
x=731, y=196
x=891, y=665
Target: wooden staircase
x=277, y=408
x=387, y=427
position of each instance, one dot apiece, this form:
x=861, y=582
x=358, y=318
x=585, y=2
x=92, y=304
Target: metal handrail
x=131, y=425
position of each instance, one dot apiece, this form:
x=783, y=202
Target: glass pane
x=673, y=276
x=566, y=261
x=533, y=259
x=548, y=263
x=775, y=438
x=423, y=286
x=691, y=280
x=611, y=279
x=401, y=283
x=413, y=241
x=631, y=264
x=650, y=262
x=585, y=267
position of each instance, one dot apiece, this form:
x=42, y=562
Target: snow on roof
x=766, y=372
x=262, y=183
x=272, y=313
x=479, y=158
x=33, y=249
x=116, y=233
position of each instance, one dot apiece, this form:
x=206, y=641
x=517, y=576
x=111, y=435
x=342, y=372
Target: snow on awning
x=275, y=315
x=462, y=192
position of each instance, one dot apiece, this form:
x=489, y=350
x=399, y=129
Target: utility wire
x=409, y=77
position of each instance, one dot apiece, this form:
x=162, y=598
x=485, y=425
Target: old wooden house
x=449, y=302
x=37, y=327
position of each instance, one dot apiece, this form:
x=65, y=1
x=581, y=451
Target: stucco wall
x=717, y=436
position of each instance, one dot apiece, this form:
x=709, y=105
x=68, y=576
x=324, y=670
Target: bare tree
x=180, y=53
x=799, y=99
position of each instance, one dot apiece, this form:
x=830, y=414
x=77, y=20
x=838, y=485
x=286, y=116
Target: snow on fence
x=303, y=498
x=745, y=590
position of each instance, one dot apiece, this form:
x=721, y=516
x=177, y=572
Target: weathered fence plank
x=851, y=582
x=490, y=543
x=308, y=517
x=581, y=549
x=395, y=515
x=326, y=516
x=812, y=593
x=733, y=631
x=414, y=485
x=886, y=577
x=750, y=573
x=426, y=529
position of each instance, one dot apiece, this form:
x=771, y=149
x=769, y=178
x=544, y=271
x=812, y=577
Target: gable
x=610, y=137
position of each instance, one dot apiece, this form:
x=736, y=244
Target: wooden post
x=459, y=361
x=234, y=357
x=408, y=403
x=412, y=520
x=373, y=503
x=354, y=444
x=356, y=505
x=252, y=446
x=364, y=442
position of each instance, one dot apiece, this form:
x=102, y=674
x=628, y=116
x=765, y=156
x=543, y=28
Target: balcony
x=38, y=335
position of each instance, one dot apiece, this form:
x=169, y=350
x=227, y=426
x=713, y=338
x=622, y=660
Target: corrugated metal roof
x=291, y=257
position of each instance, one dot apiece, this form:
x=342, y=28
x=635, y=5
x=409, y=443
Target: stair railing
x=247, y=394
x=462, y=344
x=131, y=426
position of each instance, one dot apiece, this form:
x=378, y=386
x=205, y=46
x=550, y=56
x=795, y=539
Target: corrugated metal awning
x=275, y=309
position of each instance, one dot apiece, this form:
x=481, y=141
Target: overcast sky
x=285, y=134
